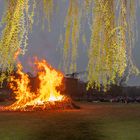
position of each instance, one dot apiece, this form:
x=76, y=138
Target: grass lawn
x=100, y=121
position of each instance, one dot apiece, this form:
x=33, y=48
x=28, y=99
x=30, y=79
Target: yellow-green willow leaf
x=72, y=34
x=48, y=11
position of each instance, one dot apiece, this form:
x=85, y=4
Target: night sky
x=44, y=44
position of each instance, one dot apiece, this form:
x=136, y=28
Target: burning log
x=66, y=103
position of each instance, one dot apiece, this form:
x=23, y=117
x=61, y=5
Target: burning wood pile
x=47, y=96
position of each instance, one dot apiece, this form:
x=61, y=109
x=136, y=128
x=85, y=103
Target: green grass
x=92, y=122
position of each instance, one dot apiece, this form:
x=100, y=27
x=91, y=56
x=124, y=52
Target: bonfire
x=46, y=97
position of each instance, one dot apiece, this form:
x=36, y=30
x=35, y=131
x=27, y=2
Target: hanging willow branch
x=130, y=27
x=15, y=33
x=17, y=21
x=72, y=34
x=107, y=53
x=46, y=7
x=111, y=42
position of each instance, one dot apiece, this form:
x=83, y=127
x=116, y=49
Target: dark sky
x=46, y=44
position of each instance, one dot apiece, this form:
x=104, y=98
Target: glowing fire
x=47, y=93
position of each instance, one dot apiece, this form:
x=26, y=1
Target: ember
x=47, y=95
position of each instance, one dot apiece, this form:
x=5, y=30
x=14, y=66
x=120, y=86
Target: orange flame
x=20, y=86
x=49, y=79
x=17, y=54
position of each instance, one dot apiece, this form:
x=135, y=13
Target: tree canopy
x=113, y=31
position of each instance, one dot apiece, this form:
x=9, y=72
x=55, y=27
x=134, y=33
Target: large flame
x=20, y=86
x=47, y=93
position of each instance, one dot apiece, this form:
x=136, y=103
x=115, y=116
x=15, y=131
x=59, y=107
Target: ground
x=94, y=121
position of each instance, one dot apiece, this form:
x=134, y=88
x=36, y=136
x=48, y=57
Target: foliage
x=113, y=26
x=16, y=22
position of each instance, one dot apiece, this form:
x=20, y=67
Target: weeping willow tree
x=107, y=53
x=112, y=40
x=112, y=24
